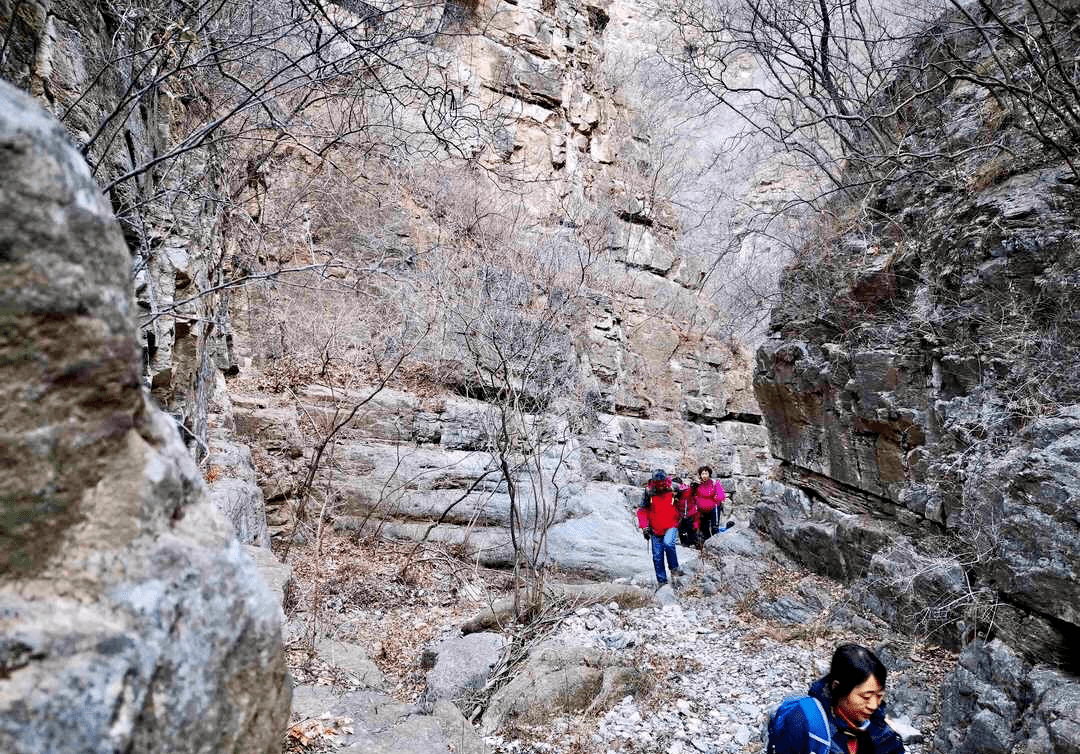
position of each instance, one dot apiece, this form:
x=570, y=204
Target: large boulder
x=131, y=618
x=556, y=680
x=995, y=701
x=353, y=661
x=463, y=664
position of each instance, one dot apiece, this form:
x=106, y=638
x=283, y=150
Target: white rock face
x=131, y=620
x=413, y=462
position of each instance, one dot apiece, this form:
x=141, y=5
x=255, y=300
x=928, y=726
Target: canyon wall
x=575, y=174
x=131, y=618
x=919, y=389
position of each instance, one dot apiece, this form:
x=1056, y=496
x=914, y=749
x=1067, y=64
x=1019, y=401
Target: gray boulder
x=381, y=725
x=665, y=595
x=277, y=575
x=462, y=664
x=130, y=618
x=557, y=680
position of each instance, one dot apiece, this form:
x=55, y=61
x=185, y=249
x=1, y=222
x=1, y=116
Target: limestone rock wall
x=406, y=462
x=131, y=619
x=883, y=431
x=669, y=388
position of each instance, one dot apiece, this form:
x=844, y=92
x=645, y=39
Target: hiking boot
x=677, y=572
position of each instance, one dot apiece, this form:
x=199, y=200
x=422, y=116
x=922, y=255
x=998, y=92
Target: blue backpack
x=817, y=723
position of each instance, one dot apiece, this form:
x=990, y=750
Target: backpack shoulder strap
x=817, y=725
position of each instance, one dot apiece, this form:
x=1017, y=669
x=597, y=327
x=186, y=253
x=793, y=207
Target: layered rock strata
x=419, y=468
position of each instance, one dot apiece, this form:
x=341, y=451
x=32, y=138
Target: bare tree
x=851, y=88
x=506, y=294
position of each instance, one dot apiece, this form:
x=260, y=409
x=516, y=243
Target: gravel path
x=731, y=642
x=716, y=672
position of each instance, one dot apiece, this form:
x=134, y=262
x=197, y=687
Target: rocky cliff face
x=920, y=391
x=917, y=428
x=409, y=461
x=645, y=346
x=70, y=55
x=131, y=618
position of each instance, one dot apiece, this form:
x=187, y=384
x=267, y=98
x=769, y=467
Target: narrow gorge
x=340, y=339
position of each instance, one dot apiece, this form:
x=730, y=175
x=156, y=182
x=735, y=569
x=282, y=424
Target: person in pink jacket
x=710, y=503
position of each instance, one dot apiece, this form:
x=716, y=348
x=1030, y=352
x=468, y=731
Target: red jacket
x=710, y=494
x=686, y=506
x=657, y=510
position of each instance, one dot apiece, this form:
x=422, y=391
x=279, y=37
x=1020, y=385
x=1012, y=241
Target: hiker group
x=843, y=712
x=671, y=509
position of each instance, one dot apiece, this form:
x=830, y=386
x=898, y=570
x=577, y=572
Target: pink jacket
x=710, y=494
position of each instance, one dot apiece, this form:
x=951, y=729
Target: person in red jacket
x=686, y=506
x=659, y=521
x=710, y=502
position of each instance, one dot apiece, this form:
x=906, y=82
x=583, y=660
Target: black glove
x=647, y=533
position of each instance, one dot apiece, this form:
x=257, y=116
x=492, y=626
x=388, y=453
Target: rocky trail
x=690, y=669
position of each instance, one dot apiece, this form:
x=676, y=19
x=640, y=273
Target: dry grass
x=364, y=600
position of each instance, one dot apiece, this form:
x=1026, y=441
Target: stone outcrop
x=406, y=462
x=131, y=618
x=557, y=680
x=996, y=702
x=871, y=435
x=920, y=391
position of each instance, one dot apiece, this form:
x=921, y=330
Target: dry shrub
x=365, y=601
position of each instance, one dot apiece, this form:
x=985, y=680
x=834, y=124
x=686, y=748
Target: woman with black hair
x=843, y=713
x=709, y=498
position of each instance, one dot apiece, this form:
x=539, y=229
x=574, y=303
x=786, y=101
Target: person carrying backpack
x=710, y=502
x=659, y=522
x=686, y=507
x=842, y=714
